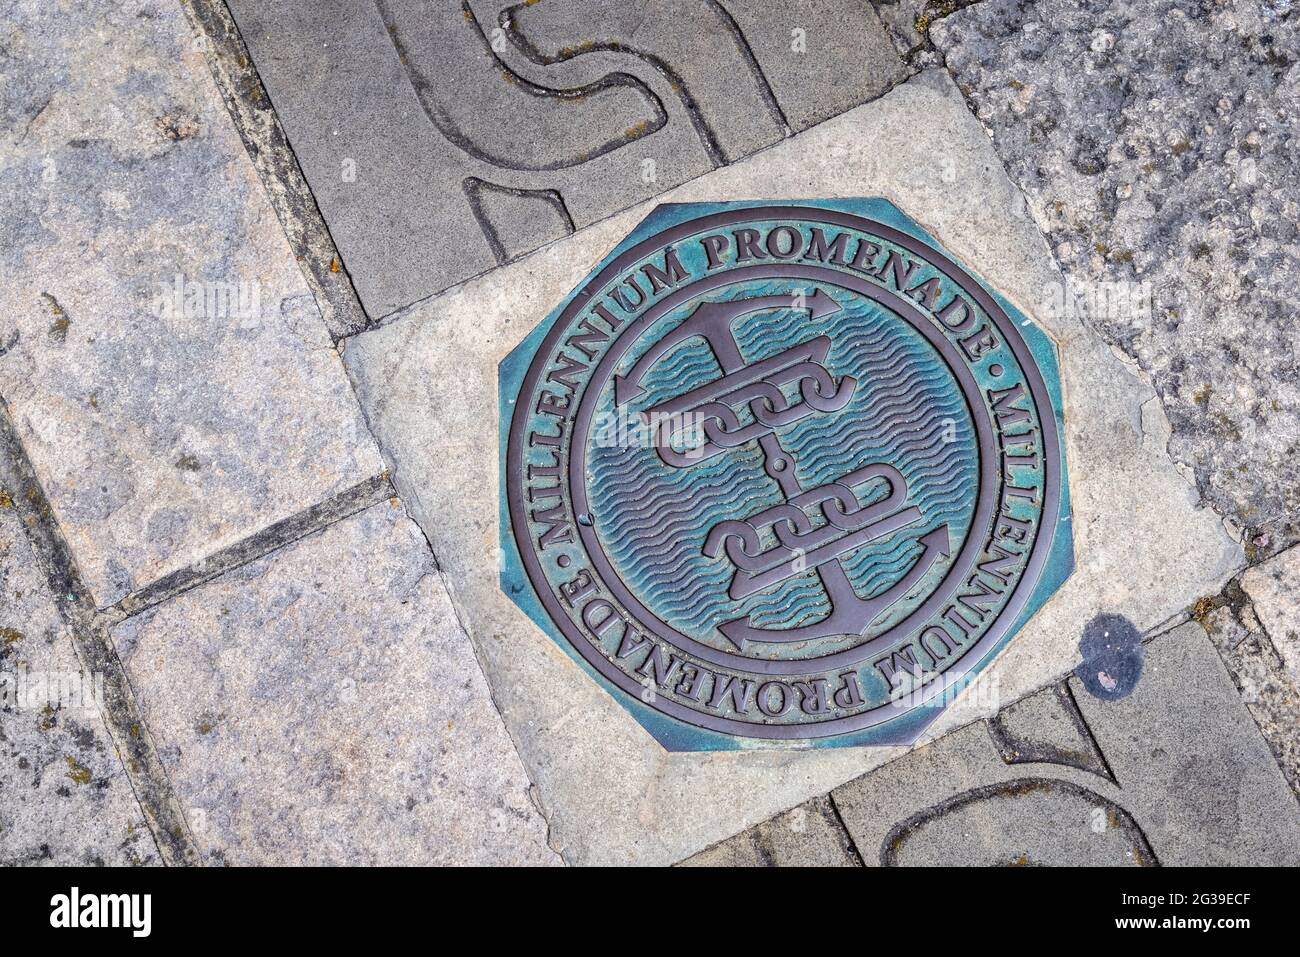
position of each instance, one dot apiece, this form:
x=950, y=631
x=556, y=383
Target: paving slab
x=809, y=835
x=322, y=705
x=443, y=137
x=1274, y=590
x=1272, y=697
x=1144, y=545
x=1156, y=142
x=1270, y=692
x=161, y=354
x=1186, y=779
x=64, y=797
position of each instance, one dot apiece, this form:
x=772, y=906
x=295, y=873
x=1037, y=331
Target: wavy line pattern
x=906, y=410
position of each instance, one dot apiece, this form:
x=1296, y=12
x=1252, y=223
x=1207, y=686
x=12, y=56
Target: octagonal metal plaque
x=784, y=473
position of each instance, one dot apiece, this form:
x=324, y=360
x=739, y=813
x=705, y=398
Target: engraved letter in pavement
x=710, y=67
x=497, y=116
x=441, y=138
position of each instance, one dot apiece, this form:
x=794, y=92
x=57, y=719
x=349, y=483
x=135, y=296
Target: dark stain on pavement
x=1112, y=657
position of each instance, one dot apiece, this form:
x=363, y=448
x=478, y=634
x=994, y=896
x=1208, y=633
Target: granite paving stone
x=1274, y=590
x=442, y=137
x=1156, y=143
x=1187, y=779
x=1145, y=545
x=1272, y=698
x=64, y=798
x=162, y=357
x=322, y=705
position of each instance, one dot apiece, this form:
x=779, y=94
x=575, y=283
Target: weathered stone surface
x=908, y=23
x=1256, y=635
x=402, y=111
x=1274, y=590
x=1156, y=141
x=900, y=21
x=323, y=706
x=1271, y=697
x=64, y=798
x=163, y=359
x=809, y=835
x=1142, y=542
x=1187, y=780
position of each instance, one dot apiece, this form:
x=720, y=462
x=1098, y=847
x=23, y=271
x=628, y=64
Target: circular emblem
x=783, y=472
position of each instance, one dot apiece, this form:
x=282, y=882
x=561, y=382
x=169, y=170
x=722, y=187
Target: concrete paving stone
x=1046, y=726
x=809, y=835
x=64, y=798
x=1274, y=590
x=819, y=58
x=403, y=112
x=428, y=380
x=165, y=364
x=982, y=817
x=1156, y=142
x=323, y=706
x=1189, y=781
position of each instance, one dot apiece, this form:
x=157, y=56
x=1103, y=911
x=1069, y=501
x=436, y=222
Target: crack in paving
x=854, y=851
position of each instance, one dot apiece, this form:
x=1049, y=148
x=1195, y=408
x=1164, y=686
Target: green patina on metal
x=783, y=474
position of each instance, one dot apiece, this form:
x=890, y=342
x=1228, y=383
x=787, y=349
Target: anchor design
x=798, y=543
